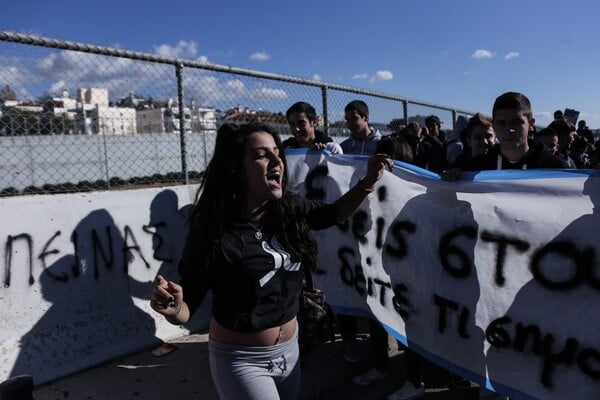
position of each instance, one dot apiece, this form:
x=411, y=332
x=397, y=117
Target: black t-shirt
x=255, y=282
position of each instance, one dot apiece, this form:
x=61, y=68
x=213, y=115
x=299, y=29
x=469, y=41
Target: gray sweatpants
x=256, y=373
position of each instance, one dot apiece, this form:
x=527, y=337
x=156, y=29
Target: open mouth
x=274, y=178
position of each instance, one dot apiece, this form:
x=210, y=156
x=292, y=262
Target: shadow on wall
x=169, y=226
x=457, y=275
x=93, y=317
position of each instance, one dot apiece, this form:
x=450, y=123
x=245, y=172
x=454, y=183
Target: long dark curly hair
x=221, y=200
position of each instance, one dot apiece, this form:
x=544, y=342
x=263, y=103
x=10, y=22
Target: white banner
x=495, y=277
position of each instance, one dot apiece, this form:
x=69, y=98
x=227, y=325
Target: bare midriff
x=264, y=338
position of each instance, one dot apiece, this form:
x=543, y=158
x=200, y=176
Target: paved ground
x=184, y=374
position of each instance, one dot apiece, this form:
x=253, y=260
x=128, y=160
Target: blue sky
x=460, y=53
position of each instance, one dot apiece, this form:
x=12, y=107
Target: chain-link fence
x=78, y=117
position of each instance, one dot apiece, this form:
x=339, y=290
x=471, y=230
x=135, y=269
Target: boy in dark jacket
x=513, y=122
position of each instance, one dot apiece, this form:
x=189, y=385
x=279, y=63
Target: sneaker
x=351, y=352
x=407, y=391
x=371, y=376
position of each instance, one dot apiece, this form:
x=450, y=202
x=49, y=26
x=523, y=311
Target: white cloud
x=47, y=62
x=232, y=91
x=511, y=54
x=71, y=70
x=382, y=76
x=14, y=73
x=235, y=84
x=480, y=53
x=360, y=76
x=57, y=87
x=203, y=59
x=267, y=94
x=260, y=56
x=213, y=90
x=183, y=49
x=317, y=77
x=543, y=114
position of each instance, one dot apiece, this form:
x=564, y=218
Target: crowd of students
x=250, y=237
x=433, y=149
x=466, y=150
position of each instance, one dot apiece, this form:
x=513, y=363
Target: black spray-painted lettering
x=543, y=345
x=359, y=226
x=462, y=323
x=565, y=356
x=400, y=300
x=382, y=290
x=496, y=335
x=380, y=222
x=346, y=269
x=382, y=193
x=447, y=251
x=360, y=281
x=356, y=279
x=127, y=248
x=525, y=334
x=588, y=361
x=63, y=277
x=100, y=242
x=8, y=253
x=444, y=305
x=344, y=226
x=97, y=246
x=401, y=249
x=583, y=265
x=503, y=243
x=75, y=267
x=353, y=277
x=379, y=225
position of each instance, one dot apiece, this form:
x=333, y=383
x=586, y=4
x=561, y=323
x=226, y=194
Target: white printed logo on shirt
x=281, y=259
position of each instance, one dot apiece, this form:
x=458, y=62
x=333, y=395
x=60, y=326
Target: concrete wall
x=77, y=274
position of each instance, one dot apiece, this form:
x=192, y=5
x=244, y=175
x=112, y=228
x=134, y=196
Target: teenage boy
x=303, y=121
x=513, y=122
x=437, y=137
x=364, y=138
x=549, y=137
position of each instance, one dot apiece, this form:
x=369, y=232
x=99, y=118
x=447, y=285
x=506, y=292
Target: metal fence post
x=325, y=111
x=184, y=167
x=453, y=120
x=405, y=111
